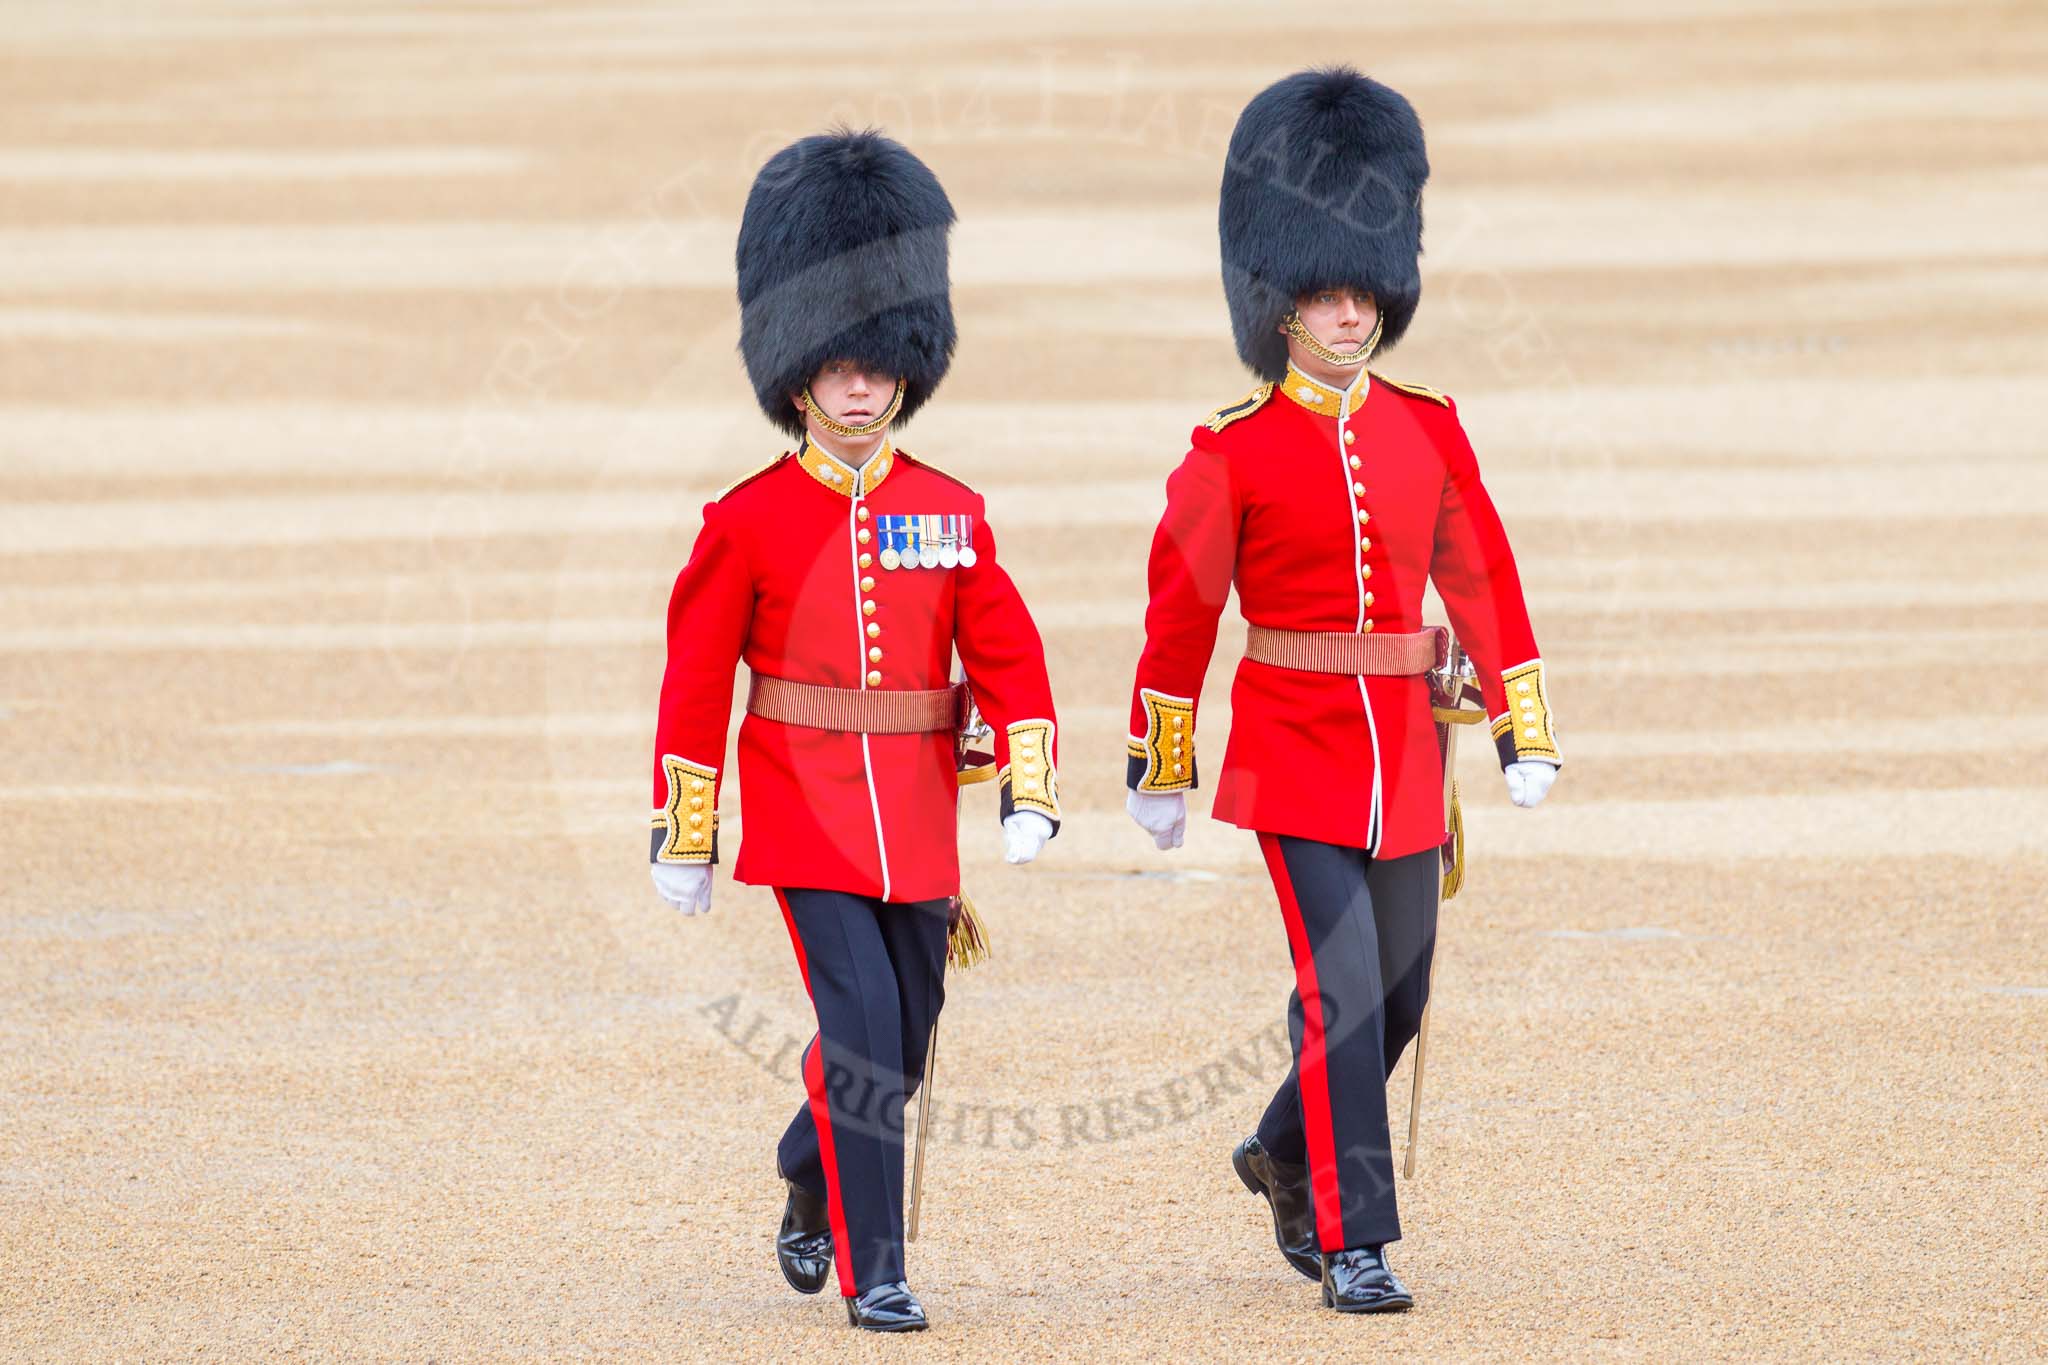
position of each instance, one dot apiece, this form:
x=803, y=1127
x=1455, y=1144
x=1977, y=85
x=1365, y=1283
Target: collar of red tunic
x=841, y=477
x=1317, y=396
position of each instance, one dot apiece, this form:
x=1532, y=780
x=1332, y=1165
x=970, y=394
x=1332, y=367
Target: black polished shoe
x=803, y=1248
x=1286, y=1189
x=887, y=1308
x=1359, y=1281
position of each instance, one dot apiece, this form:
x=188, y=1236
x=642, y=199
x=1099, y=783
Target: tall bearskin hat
x=842, y=254
x=1322, y=187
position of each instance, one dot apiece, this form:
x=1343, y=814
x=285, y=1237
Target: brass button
x=1179, y=721
x=863, y=536
x=867, y=608
x=1178, y=769
x=866, y=560
x=1358, y=489
x=697, y=785
x=1365, y=571
x=874, y=678
x=1368, y=599
x=874, y=654
x=696, y=803
x=1521, y=687
x=1349, y=437
x=696, y=836
x=696, y=820
x=1363, y=516
x=867, y=585
x=1365, y=542
x=861, y=512
x=1354, y=462
x=873, y=630
x=1366, y=628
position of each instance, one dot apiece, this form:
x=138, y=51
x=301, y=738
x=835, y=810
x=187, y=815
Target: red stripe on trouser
x=821, y=1114
x=1313, y=1064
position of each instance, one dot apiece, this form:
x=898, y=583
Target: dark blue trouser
x=1361, y=931
x=876, y=973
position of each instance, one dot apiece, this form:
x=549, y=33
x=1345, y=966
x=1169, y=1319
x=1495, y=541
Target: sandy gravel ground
x=363, y=369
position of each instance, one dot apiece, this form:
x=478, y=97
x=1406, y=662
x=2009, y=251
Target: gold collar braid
x=843, y=431
x=1298, y=329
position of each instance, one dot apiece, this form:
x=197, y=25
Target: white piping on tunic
x=860, y=655
x=1374, y=818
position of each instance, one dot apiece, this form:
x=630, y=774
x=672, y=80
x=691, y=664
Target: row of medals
x=944, y=542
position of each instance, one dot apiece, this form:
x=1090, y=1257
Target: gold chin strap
x=840, y=429
x=1298, y=329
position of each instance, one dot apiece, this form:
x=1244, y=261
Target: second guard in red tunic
x=846, y=574
x=1329, y=498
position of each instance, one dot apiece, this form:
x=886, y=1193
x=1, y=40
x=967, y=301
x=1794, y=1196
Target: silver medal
x=928, y=549
x=967, y=555
x=949, y=544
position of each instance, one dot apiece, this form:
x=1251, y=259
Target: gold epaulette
x=750, y=476
x=1243, y=407
x=922, y=463
x=1419, y=390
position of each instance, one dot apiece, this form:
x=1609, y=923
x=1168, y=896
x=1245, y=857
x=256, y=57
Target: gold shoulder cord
x=751, y=474
x=1243, y=407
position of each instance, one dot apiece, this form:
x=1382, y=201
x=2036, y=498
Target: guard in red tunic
x=1330, y=497
x=846, y=574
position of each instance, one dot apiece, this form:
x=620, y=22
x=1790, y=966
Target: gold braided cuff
x=1164, y=759
x=1028, y=780
x=686, y=829
x=1524, y=730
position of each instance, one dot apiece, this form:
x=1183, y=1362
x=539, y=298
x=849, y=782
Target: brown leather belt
x=871, y=712
x=1316, y=651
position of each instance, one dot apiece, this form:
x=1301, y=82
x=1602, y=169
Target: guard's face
x=850, y=392
x=1339, y=318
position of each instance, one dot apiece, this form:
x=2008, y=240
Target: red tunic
x=1329, y=519
x=789, y=574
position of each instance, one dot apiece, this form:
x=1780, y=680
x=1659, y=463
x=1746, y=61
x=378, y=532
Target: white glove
x=687, y=886
x=1163, y=816
x=1024, y=836
x=1528, y=780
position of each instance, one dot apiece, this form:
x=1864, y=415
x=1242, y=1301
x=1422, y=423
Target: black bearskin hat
x=842, y=254
x=1322, y=187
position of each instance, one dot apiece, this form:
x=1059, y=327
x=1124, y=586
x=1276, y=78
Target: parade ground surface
x=363, y=371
